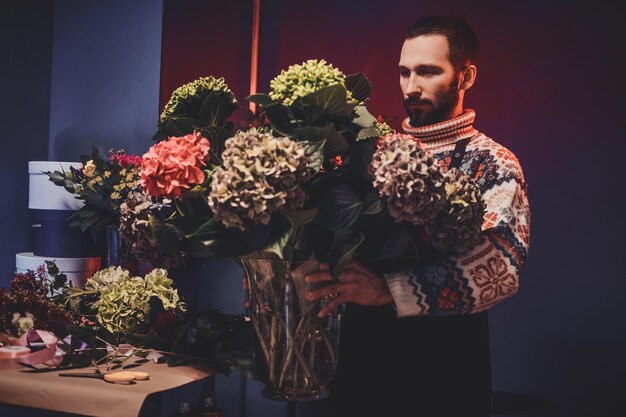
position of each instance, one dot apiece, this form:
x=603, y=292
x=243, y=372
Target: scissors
x=119, y=377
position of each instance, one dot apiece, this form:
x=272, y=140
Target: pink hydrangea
x=171, y=167
x=125, y=160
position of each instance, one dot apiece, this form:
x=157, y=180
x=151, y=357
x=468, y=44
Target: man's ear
x=468, y=77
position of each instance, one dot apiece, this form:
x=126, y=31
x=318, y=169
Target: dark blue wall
x=105, y=76
x=25, y=60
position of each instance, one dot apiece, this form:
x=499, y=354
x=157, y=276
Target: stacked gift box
x=73, y=250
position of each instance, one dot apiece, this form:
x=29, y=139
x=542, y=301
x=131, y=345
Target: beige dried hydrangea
x=299, y=80
x=23, y=323
x=409, y=178
x=123, y=304
x=260, y=175
x=458, y=226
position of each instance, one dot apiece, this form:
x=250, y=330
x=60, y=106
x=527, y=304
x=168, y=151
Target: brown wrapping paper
x=91, y=396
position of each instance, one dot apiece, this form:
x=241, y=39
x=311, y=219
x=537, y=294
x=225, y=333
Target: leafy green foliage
x=204, y=105
x=102, y=184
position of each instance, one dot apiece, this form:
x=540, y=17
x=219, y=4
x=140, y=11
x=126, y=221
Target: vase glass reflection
x=114, y=252
x=296, y=351
x=118, y=253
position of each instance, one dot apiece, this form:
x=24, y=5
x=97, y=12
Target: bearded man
x=415, y=342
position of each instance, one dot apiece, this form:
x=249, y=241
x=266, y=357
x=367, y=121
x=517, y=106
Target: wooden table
x=95, y=397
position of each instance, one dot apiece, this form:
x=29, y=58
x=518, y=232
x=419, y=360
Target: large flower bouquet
x=319, y=180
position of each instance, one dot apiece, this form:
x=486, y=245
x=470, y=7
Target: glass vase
x=295, y=351
x=114, y=246
x=118, y=253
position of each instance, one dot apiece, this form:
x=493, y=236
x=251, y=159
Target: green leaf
x=187, y=224
x=339, y=208
x=279, y=226
x=280, y=118
x=210, y=228
x=327, y=104
x=364, y=117
x=280, y=246
x=216, y=135
x=149, y=340
x=312, y=133
x=216, y=109
x=373, y=203
x=180, y=126
x=368, y=133
x=262, y=100
x=386, y=240
x=234, y=242
x=63, y=179
x=344, y=247
x=196, y=194
x=201, y=248
x=334, y=144
x=168, y=237
x=90, y=335
x=359, y=86
x=299, y=218
x=358, y=161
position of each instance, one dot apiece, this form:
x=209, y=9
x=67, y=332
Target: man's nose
x=413, y=87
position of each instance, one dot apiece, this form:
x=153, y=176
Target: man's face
x=430, y=86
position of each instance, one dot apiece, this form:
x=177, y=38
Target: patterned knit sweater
x=489, y=272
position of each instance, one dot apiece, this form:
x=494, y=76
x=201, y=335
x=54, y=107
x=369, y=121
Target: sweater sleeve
x=486, y=274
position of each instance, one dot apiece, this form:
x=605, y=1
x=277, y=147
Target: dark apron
x=412, y=366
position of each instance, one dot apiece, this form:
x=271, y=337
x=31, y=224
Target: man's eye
x=404, y=74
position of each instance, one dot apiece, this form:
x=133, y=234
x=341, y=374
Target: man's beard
x=446, y=102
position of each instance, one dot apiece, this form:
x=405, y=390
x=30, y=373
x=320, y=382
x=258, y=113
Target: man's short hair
x=462, y=41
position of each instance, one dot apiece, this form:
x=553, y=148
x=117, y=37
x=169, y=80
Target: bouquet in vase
x=319, y=179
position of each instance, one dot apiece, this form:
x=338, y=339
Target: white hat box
x=78, y=270
x=43, y=194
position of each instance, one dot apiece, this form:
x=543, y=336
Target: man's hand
x=356, y=284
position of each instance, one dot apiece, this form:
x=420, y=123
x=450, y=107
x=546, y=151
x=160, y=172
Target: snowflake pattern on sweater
x=488, y=273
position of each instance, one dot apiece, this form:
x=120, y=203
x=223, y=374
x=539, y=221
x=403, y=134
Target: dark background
x=550, y=87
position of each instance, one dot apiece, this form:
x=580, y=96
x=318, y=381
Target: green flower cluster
x=123, y=301
x=188, y=98
x=458, y=225
x=299, y=80
x=384, y=128
x=260, y=175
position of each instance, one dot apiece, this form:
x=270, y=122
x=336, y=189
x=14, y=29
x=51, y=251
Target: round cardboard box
x=43, y=193
x=78, y=270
